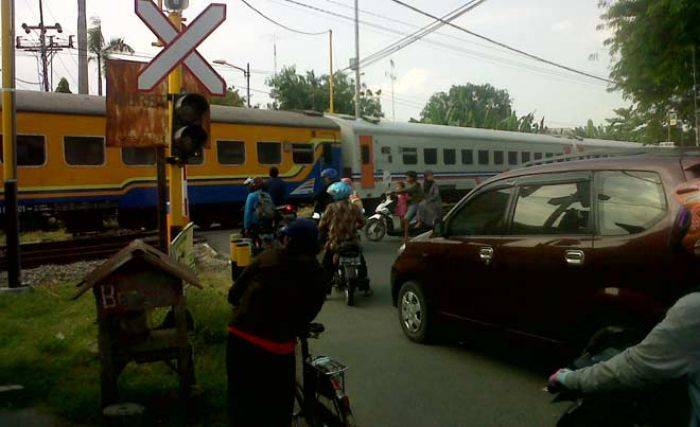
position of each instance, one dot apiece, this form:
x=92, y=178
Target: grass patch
x=40, y=236
x=48, y=344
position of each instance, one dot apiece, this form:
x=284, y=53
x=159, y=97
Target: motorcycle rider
x=276, y=187
x=321, y=198
x=280, y=293
x=259, y=210
x=354, y=198
x=340, y=224
x=671, y=350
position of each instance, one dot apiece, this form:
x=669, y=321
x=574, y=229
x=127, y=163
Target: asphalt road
x=395, y=382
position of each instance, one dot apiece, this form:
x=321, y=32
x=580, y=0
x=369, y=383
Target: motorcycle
x=346, y=276
x=265, y=237
x=386, y=222
x=658, y=405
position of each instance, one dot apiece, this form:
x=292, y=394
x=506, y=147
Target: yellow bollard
x=245, y=253
x=235, y=240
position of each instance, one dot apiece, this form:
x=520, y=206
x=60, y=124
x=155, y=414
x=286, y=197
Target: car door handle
x=574, y=257
x=486, y=255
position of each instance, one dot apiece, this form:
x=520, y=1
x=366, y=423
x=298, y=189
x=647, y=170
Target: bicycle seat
x=316, y=328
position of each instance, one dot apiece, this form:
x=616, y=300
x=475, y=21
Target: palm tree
x=102, y=51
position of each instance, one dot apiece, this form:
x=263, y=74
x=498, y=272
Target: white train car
x=375, y=154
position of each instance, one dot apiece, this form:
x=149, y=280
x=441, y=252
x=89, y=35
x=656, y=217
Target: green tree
x=478, y=106
x=102, y=51
x=231, y=99
x=651, y=46
x=294, y=91
x=63, y=86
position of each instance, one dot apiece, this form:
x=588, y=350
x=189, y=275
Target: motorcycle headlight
x=401, y=249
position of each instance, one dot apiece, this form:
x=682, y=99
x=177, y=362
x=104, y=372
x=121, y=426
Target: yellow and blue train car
x=67, y=172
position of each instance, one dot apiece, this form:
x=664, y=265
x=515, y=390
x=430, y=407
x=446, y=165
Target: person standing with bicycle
x=273, y=301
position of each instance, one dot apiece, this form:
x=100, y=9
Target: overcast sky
x=560, y=30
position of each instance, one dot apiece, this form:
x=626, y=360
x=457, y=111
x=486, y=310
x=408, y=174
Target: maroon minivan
x=555, y=251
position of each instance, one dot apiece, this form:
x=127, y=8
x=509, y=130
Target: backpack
x=265, y=208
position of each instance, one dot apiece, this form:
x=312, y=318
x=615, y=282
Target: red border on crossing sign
x=186, y=40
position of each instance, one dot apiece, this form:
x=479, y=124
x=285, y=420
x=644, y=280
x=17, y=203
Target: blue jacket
x=250, y=213
x=277, y=189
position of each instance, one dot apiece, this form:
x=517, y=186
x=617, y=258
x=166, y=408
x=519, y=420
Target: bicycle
x=320, y=400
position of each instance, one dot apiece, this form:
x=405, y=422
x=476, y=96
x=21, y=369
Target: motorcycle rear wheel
x=375, y=230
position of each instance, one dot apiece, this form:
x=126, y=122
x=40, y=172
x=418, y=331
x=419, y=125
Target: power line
x=417, y=35
x=480, y=55
x=503, y=45
x=281, y=25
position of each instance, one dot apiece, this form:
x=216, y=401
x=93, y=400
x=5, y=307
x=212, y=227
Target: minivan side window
x=629, y=202
x=553, y=209
x=483, y=215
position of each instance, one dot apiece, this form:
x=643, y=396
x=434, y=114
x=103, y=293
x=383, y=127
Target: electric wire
x=503, y=45
x=280, y=24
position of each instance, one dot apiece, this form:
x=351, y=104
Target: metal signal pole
x=330, y=75
x=176, y=217
x=358, y=110
x=9, y=148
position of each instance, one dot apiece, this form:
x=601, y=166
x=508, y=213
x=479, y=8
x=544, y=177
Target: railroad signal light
x=190, y=116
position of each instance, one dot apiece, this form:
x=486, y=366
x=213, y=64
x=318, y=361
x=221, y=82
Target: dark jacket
x=277, y=295
x=322, y=199
x=277, y=189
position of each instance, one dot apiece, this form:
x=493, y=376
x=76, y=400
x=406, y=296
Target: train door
x=367, y=160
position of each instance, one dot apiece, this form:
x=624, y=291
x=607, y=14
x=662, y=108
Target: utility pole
x=358, y=110
x=46, y=52
x=83, y=85
x=392, y=77
x=247, y=79
x=245, y=71
x=695, y=102
x=9, y=148
x=330, y=75
x=274, y=52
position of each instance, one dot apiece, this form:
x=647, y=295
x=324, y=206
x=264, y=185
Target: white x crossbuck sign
x=180, y=46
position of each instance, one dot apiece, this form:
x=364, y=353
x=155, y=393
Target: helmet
x=329, y=173
x=303, y=236
x=254, y=183
x=339, y=191
x=411, y=174
x=687, y=226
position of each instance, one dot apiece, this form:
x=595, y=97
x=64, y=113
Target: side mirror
x=439, y=228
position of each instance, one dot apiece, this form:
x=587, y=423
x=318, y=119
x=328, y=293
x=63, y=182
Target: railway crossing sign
x=180, y=46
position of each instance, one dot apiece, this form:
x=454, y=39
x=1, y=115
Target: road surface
x=395, y=382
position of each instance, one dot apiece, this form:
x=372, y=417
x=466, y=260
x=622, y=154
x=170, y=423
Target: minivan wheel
x=414, y=313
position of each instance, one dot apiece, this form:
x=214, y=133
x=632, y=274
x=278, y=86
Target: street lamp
x=246, y=73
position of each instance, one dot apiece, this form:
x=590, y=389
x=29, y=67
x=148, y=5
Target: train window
x=467, y=157
x=538, y=156
x=430, y=156
x=549, y=154
x=525, y=156
x=84, y=150
x=327, y=152
x=269, y=153
x=483, y=157
x=230, y=152
x=139, y=156
x=303, y=154
x=512, y=158
x=498, y=157
x=31, y=150
x=410, y=156
x=365, y=154
x=450, y=156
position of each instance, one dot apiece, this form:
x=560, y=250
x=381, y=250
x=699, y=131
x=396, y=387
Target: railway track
x=78, y=249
